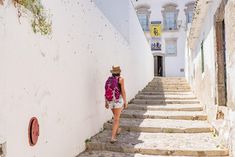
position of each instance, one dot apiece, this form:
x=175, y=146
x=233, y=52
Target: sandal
x=113, y=141
x=119, y=131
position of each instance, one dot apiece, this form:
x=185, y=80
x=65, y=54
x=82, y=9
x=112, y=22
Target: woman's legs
x=116, y=118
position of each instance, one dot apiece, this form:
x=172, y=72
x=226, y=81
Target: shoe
x=113, y=141
x=119, y=131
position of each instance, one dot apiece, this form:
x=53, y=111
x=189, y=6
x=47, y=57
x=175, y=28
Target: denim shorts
x=116, y=104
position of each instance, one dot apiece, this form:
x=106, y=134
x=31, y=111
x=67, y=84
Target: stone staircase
x=164, y=119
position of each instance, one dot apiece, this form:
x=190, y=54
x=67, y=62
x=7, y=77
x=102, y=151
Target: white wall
x=203, y=83
x=187, y=57
x=118, y=19
x=230, y=67
x=173, y=64
x=60, y=79
x=230, y=51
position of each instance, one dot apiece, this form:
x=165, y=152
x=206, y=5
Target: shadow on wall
x=119, y=19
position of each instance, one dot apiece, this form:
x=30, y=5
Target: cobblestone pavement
x=157, y=127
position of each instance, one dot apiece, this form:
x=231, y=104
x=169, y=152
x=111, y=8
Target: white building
x=60, y=78
x=174, y=16
x=210, y=60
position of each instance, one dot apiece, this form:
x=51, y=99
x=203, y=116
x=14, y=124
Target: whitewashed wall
x=60, y=79
x=173, y=64
x=187, y=51
x=204, y=84
x=230, y=64
x=230, y=51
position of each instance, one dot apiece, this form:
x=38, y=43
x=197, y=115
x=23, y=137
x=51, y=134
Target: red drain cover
x=33, y=131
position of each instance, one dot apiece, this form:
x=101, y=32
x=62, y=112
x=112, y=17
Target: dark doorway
x=224, y=58
x=221, y=84
x=158, y=66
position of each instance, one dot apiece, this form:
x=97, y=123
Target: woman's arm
x=106, y=104
x=123, y=93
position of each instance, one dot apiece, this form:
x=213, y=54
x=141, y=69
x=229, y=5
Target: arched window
x=189, y=12
x=143, y=14
x=170, y=16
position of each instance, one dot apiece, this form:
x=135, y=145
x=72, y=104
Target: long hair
x=114, y=75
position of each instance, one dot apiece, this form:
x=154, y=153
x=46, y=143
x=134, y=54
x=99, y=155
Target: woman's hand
x=106, y=105
x=125, y=106
x=123, y=93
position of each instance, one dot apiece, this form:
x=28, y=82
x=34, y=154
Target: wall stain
x=43, y=54
x=41, y=94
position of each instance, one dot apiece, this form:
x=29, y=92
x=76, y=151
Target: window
x=189, y=12
x=170, y=21
x=143, y=14
x=202, y=56
x=143, y=18
x=189, y=17
x=171, y=46
x=170, y=15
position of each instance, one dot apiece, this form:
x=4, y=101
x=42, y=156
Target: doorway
x=221, y=84
x=158, y=65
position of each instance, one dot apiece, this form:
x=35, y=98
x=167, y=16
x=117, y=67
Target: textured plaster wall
x=230, y=51
x=203, y=84
x=60, y=78
x=230, y=59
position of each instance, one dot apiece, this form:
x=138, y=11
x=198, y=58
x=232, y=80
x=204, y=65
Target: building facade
x=210, y=62
x=165, y=24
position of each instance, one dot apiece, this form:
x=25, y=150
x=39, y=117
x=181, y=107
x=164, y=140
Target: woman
x=116, y=105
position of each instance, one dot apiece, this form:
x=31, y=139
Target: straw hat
x=115, y=70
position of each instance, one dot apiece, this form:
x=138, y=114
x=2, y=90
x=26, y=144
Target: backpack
x=112, y=90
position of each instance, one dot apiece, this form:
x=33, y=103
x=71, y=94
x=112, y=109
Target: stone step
x=166, y=93
x=168, y=83
x=168, y=107
x=168, y=101
x=173, y=83
x=167, y=86
x=118, y=154
x=166, y=90
x=160, y=84
x=144, y=96
x=169, y=78
x=180, y=115
x=162, y=125
x=188, y=144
